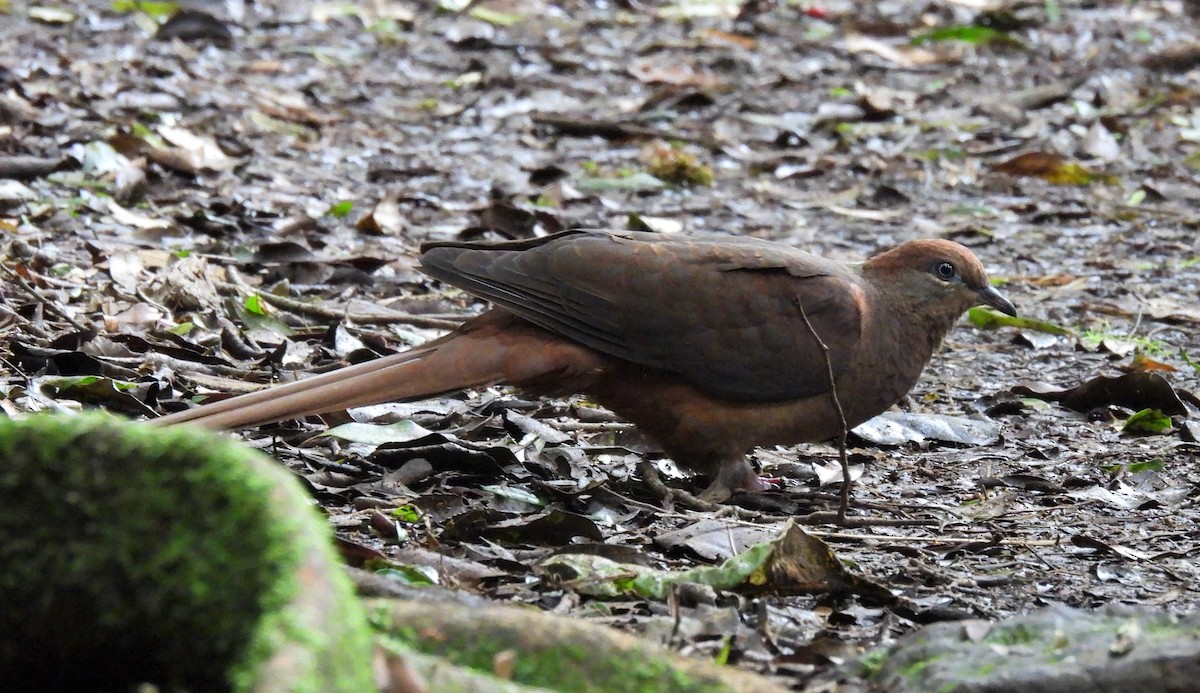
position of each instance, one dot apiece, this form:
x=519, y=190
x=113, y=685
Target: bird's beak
x=990, y=297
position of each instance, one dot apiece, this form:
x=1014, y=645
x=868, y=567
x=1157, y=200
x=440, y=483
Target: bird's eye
x=945, y=271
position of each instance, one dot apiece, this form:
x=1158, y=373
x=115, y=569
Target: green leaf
x=154, y=8
x=493, y=17
x=1147, y=421
x=722, y=657
x=407, y=513
x=991, y=319
x=635, y=182
x=91, y=388
x=966, y=34
x=342, y=209
x=1071, y=173
x=254, y=304
x=182, y=328
x=413, y=575
x=1189, y=360
x=1053, y=11
x=1147, y=466
x=603, y=577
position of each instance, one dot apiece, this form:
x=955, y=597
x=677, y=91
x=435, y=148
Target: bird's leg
x=735, y=475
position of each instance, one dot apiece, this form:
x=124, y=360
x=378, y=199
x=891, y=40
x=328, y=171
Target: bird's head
x=941, y=278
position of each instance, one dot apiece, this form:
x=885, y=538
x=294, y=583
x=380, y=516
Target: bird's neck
x=900, y=334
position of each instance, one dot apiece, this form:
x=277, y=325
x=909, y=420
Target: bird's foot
x=735, y=476
x=766, y=483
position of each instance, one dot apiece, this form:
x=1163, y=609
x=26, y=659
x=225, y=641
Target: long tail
x=486, y=351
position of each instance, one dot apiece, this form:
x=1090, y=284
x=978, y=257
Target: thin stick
x=37, y=296
x=906, y=539
x=844, y=503
x=326, y=313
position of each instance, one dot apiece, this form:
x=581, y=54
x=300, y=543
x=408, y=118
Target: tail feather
x=424, y=372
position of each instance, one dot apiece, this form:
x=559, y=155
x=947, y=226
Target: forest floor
x=163, y=197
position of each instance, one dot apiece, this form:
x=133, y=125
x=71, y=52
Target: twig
x=844, y=503
x=25, y=322
x=592, y=426
x=325, y=313
x=838, y=518
x=611, y=129
x=904, y=539
x=50, y=305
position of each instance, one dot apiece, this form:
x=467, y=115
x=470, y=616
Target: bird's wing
x=722, y=313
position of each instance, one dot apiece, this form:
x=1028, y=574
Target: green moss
x=167, y=556
x=872, y=662
x=1014, y=635
x=914, y=669
x=472, y=639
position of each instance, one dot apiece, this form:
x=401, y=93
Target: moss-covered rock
x=169, y=556
x=546, y=651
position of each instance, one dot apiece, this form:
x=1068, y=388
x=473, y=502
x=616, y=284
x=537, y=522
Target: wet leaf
x=1124, y=496
x=1105, y=547
x=634, y=182
x=191, y=153
x=13, y=191
x=117, y=394
x=638, y=222
x=714, y=539
x=1147, y=421
x=139, y=221
x=86, y=382
x=516, y=494
x=1135, y=391
x=830, y=473
x=412, y=575
x=1147, y=466
x=370, y=434
x=1052, y=168
x=385, y=219
x=794, y=562
x=551, y=526
x=897, y=428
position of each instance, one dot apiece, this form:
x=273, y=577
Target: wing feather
x=721, y=312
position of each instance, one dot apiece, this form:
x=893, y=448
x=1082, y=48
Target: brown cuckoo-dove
x=711, y=345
